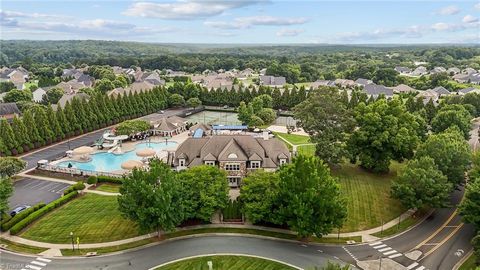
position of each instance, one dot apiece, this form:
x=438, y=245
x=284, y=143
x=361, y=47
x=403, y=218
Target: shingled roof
x=8, y=109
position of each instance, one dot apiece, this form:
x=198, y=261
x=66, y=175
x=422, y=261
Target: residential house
x=71, y=73
x=473, y=78
x=374, y=90
x=9, y=110
x=363, y=82
x=403, y=88
x=263, y=71
x=71, y=86
x=18, y=76
x=86, y=80
x=344, y=83
x=318, y=83
x=272, y=81
x=468, y=90
x=246, y=73
x=436, y=70
x=419, y=71
x=419, y=63
x=69, y=97
x=403, y=70
x=453, y=70
x=428, y=95
x=153, y=78
x=236, y=154
x=38, y=94
x=441, y=91
x=469, y=71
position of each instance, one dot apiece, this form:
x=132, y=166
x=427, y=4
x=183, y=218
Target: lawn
x=21, y=248
x=226, y=262
x=469, y=264
x=368, y=196
x=293, y=138
x=307, y=150
x=108, y=187
x=93, y=218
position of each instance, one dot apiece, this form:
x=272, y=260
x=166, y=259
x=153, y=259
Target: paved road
x=32, y=191
x=302, y=256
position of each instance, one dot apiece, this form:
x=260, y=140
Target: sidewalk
x=364, y=234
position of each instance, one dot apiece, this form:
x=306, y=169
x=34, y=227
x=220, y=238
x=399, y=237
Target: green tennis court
x=214, y=118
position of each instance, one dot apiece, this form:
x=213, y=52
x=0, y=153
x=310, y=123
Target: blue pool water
x=108, y=162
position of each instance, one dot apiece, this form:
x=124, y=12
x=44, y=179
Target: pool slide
x=112, y=140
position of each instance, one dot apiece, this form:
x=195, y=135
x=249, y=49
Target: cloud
x=469, y=19
x=289, y=32
x=477, y=6
x=449, y=10
x=96, y=27
x=186, y=9
x=16, y=14
x=247, y=22
x=409, y=32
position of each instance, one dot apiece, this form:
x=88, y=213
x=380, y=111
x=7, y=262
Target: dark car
x=19, y=209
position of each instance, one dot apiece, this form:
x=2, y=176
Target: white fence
x=76, y=171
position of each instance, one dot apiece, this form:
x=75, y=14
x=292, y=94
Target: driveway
x=32, y=191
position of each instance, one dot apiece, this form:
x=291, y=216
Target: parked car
x=19, y=209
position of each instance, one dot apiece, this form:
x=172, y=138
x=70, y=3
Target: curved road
x=440, y=242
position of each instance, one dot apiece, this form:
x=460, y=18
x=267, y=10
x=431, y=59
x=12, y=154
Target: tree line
x=41, y=125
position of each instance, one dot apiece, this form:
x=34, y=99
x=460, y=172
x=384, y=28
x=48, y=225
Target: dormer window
x=283, y=161
x=211, y=163
x=254, y=164
x=181, y=162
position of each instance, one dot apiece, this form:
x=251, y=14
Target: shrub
x=232, y=211
x=109, y=179
x=20, y=216
x=41, y=212
x=78, y=186
x=92, y=180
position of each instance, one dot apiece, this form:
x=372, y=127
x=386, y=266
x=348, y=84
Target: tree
x=43, y=125
x=32, y=129
x=206, y=191
x=244, y=113
x=194, y=102
x=325, y=117
x=6, y=86
x=9, y=166
x=309, y=197
x=469, y=209
x=54, y=124
x=6, y=190
x=153, y=198
x=104, y=85
x=20, y=132
x=452, y=115
x=385, y=131
x=476, y=248
x=16, y=95
x=258, y=195
x=7, y=135
x=52, y=95
x=255, y=121
x=267, y=115
x=176, y=100
x=420, y=184
x=450, y=152
x=130, y=127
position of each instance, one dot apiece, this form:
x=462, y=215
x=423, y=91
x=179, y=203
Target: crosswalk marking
x=384, y=249
x=33, y=267
x=38, y=263
x=421, y=268
x=395, y=255
x=43, y=259
x=390, y=252
x=376, y=243
x=413, y=265
x=381, y=246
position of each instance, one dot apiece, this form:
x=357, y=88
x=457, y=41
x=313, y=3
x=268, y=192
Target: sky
x=244, y=21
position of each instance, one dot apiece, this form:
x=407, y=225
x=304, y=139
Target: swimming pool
x=108, y=162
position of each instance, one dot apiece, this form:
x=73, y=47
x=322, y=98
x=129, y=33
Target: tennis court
x=211, y=118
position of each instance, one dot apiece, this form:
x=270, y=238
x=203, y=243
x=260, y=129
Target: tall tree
x=470, y=207
x=20, y=132
x=9, y=166
x=32, y=129
x=7, y=135
x=205, y=191
x=153, y=198
x=43, y=126
x=420, y=184
x=54, y=124
x=310, y=199
x=385, y=131
x=450, y=152
x=327, y=120
x=452, y=115
x=6, y=190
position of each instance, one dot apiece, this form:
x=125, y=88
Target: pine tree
x=8, y=137
x=62, y=121
x=71, y=118
x=32, y=129
x=43, y=126
x=54, y=124
x=80, y=114
x=20, y=132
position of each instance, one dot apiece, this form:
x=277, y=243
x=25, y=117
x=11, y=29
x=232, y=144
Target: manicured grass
x=469, y=264
x=21, y=248
x=307, y=150
x=108, y=187
x=226, y=262
x=105, y=250
x=368, y=196
x=94, y=218
x=293, y=138
x=404, y=224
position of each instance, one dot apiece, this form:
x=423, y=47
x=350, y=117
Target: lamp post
x=73, y=245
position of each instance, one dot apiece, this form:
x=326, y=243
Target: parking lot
x=32, y=191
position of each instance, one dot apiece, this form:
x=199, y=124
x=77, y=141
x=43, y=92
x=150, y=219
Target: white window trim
x=211, y=163
x=228, y=167
x=258, y=164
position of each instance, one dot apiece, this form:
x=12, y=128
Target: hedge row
x=41, y=212
x=20, y=216
x=72, y=188
x=232, y=211
x=109, y=179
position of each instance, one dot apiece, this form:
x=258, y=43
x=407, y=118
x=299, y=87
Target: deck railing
x=75, y=171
